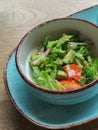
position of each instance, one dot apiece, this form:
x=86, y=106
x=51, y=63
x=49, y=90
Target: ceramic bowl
x=34, y=38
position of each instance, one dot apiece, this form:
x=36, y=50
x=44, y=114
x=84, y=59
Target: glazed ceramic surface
x=34, y=38
x=42, y=113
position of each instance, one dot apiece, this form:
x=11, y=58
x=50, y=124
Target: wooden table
x=16, y=18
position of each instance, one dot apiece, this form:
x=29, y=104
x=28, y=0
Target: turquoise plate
x=42, y=113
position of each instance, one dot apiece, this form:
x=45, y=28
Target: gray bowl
x=34, y=38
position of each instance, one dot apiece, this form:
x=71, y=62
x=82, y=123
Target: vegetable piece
x=81, y=58
x=41, y=58
x=69, y=57
x=91, y=72
x=78, y=62
x=44, y=44
x=73, y=45
x=90, y=60
x=51, y=44
x=95, y=67
x=37, y=76
x=81, y=45
x=90, y=76
x=83, y=80
x=67, y=37
x=53, y=73
x=57, y=51
x=61, y=74
x=43, y=79
x=69, y=84
x=83, y=50
x=58, y=61
x=49, y=82
x=73, y=71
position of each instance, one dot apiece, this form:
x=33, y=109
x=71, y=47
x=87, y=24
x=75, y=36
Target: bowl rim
x=33, y=85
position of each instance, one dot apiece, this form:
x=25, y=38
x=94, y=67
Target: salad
x=64, y=64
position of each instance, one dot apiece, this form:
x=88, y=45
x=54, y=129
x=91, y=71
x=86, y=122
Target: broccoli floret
x=53, y=73
x=58, y=51
x=67, y=37
x=94, y=67
x=58, y=61
x=83, y=50
x=51, y=44
x=91, y=72
x=90, y=76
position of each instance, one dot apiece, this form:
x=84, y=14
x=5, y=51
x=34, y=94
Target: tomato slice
x=74, y=71
x=69, y=84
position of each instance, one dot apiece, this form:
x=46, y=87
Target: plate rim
x=21, y=112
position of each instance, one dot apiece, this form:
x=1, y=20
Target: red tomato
x=69, y=84
x=73, y=71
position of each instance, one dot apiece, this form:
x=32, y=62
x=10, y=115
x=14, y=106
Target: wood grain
x=16, y=18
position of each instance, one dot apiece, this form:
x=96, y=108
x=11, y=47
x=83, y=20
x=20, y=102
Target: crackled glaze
x=44, y=114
